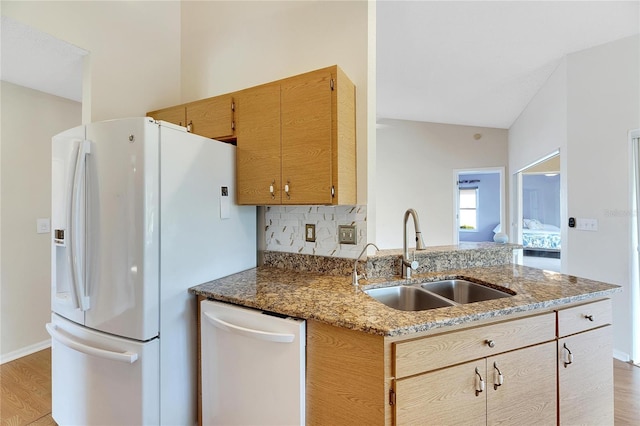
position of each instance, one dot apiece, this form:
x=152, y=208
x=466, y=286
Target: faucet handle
x=414, y=264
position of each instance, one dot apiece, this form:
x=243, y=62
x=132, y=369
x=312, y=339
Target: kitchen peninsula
x=368, y=363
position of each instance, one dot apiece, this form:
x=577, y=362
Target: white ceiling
x=37, y=60
x=470, y=63
x=479, y=63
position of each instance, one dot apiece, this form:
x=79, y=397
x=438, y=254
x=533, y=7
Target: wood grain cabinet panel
x=176, y=115
x=526, y=394
x=258, y=139
x=443, y=397
x=212, y=117
x=585, y=365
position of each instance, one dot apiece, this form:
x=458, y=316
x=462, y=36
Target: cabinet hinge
x=233, y=106
x=332, y=84
x=392, y=397
x=233, y=125
x=333, y=191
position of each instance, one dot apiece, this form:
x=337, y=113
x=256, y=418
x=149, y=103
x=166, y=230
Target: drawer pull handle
x=569, y=356
x=499, y=380
x=479, y=382
x=589, y=317
x=286, y=190
x=490, y=343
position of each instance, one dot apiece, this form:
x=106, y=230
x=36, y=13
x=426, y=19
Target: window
x=468, y=211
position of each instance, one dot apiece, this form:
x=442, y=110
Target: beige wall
x=29, y=120
x=415, y=168
x=134, y=60
x=231, y=45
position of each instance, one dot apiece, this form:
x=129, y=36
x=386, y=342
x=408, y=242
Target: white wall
x=29, y=120
x=230, y=45
x=415, y=168
x=603, y=104
x=586, y=110
x=134, y=61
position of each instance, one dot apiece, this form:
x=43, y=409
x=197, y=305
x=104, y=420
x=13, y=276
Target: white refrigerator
x=141, y=211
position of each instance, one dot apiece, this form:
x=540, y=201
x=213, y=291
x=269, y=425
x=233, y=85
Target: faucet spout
x=355, y=275
x=408, y=266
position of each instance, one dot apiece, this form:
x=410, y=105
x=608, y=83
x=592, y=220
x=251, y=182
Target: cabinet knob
x=490, y=343
x=286, y=190
x=190, y=126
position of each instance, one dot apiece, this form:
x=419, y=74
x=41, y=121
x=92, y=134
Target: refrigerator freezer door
x=65, y=293
x=122, y=223
x=100, y=379
x=251, y=356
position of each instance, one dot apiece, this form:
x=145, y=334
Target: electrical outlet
x=347, y=234
x=310, y=232
x=43, y=225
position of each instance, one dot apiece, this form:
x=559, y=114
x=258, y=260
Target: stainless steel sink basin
x=407, y=298
x=463, y=291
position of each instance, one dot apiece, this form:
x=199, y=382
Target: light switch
x=587, y=224
x=43, y=225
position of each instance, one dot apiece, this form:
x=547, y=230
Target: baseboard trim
x=622, y=356
x=28, y=350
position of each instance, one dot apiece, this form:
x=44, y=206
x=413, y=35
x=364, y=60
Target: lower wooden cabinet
x=517, y=387
x=585, y=365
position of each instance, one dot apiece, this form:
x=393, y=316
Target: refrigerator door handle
x=77, y=256
x=128, y=357
x=248, y=332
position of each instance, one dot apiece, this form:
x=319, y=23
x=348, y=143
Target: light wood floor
x=25, y=391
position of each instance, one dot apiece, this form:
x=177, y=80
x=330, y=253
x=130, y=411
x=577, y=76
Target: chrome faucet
x=407, y=266
x=354, y=275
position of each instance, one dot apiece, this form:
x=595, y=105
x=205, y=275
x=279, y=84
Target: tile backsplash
x=285, y=229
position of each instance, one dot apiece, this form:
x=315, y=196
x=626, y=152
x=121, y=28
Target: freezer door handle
x=248, y=332
x=128, y=357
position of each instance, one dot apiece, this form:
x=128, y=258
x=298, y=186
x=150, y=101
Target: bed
x=540, y=238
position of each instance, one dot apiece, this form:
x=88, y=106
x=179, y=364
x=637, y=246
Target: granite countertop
x=334, y=300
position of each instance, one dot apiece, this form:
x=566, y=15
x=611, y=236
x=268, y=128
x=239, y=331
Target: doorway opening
x=538, y=222
x=478, y=204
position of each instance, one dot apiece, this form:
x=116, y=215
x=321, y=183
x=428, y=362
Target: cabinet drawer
x=441, y=350
x=584, y=317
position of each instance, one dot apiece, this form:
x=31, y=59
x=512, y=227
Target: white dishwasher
x=253, y=366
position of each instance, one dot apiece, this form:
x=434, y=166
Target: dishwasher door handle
x=248, y=332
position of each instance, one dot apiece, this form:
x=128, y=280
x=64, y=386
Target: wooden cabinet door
x=306, y=138
x=212, y=117
x=443, y=397
x=527, y=395
x=258, y=141
x=175, y=115
x=585, y=386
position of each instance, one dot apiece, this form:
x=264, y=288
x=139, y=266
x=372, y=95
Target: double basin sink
x=432, y=295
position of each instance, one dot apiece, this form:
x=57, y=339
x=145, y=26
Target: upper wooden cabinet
x=311, y=157
x=258, y=173
x=296, y=137
x=176, y=115
x=212, y=117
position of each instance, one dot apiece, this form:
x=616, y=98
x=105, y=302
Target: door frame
x=517, y=207
x=634, y=217
x=456, y=207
